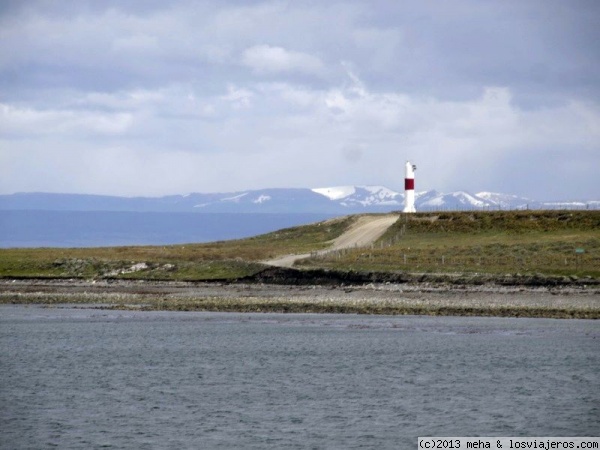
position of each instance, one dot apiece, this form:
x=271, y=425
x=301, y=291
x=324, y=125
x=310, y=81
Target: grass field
x=484, y=242
x=217, y=260
x=463, y=242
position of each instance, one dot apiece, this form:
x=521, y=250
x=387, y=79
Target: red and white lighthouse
x=409, y=188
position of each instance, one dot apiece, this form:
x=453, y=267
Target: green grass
x=462, y=242
x=482, y=242
x=216, y=260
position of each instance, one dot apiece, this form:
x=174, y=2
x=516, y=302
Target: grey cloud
x=445, y=50
x=353, y=152
x=265, y=94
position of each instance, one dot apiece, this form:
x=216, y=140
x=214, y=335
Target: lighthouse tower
x=409, y=188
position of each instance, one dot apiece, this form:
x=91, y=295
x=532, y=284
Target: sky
x=152, y=98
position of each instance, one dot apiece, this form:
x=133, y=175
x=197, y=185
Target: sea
x=84, y=378
x=110, y=228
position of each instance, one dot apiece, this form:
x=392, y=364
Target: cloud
x=16, y=121
x=279, y=134
x=352, y=153
x=239, y=98
x=131, y=100
x=202, y=96
x=269, y=59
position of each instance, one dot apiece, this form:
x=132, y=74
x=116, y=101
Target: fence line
x=443, y=259
x=592, y=206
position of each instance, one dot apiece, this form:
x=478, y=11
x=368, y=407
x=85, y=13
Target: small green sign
x=579, y=250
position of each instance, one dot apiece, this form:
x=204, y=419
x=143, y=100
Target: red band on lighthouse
x=409, y=183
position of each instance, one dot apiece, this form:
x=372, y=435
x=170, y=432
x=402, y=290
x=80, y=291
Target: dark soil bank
x=324, y=277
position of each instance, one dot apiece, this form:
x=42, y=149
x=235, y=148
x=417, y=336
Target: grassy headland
x=500, y=242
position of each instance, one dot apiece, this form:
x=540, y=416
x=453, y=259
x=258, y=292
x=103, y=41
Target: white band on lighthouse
x=409, y=188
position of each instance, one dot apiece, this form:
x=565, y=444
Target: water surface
x=106, y=228
x=81, y=378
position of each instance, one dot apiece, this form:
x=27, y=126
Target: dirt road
x=366, y=230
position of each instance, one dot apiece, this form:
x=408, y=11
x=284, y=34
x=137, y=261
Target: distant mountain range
x=78, y=220
x=329, y=200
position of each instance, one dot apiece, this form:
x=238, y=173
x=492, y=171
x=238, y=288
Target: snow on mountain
x=569, y=205
x=366, y=196
x=335, y=193
x=352, y=196
x=262, y=199
x=425, y=195
x=266, y=201
x=431, y=200
x=461, y=200
x=505, y=201
x=380, y=196
x=235, y=198
x=328, y=200
x=383, y=195
x=464, y=198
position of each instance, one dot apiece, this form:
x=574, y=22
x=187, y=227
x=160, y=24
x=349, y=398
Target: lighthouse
x=409, y=188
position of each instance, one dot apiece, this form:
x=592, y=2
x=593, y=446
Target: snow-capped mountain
x=432, y=200
x=353, y=196
x=328, y=200
x=505, y=201
x=461, y=200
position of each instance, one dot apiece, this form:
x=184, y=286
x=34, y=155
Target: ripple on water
x=76, y=378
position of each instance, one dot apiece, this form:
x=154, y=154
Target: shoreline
x=385, y=298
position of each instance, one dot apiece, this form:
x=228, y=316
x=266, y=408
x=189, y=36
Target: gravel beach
x=373, y=298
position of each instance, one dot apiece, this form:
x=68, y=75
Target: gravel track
x=365, y=231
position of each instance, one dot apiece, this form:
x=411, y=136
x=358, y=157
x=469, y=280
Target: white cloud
x=238, y=97
x=281, y=134
x=265, y=94
x=271, y=59
x=30, y=122
x=135, y=99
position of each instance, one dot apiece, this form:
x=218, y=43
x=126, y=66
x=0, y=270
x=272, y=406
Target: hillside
x=546, y=242
x=515, y=242
x=217, y=260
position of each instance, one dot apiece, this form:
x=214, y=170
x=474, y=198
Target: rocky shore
x=277, y=291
